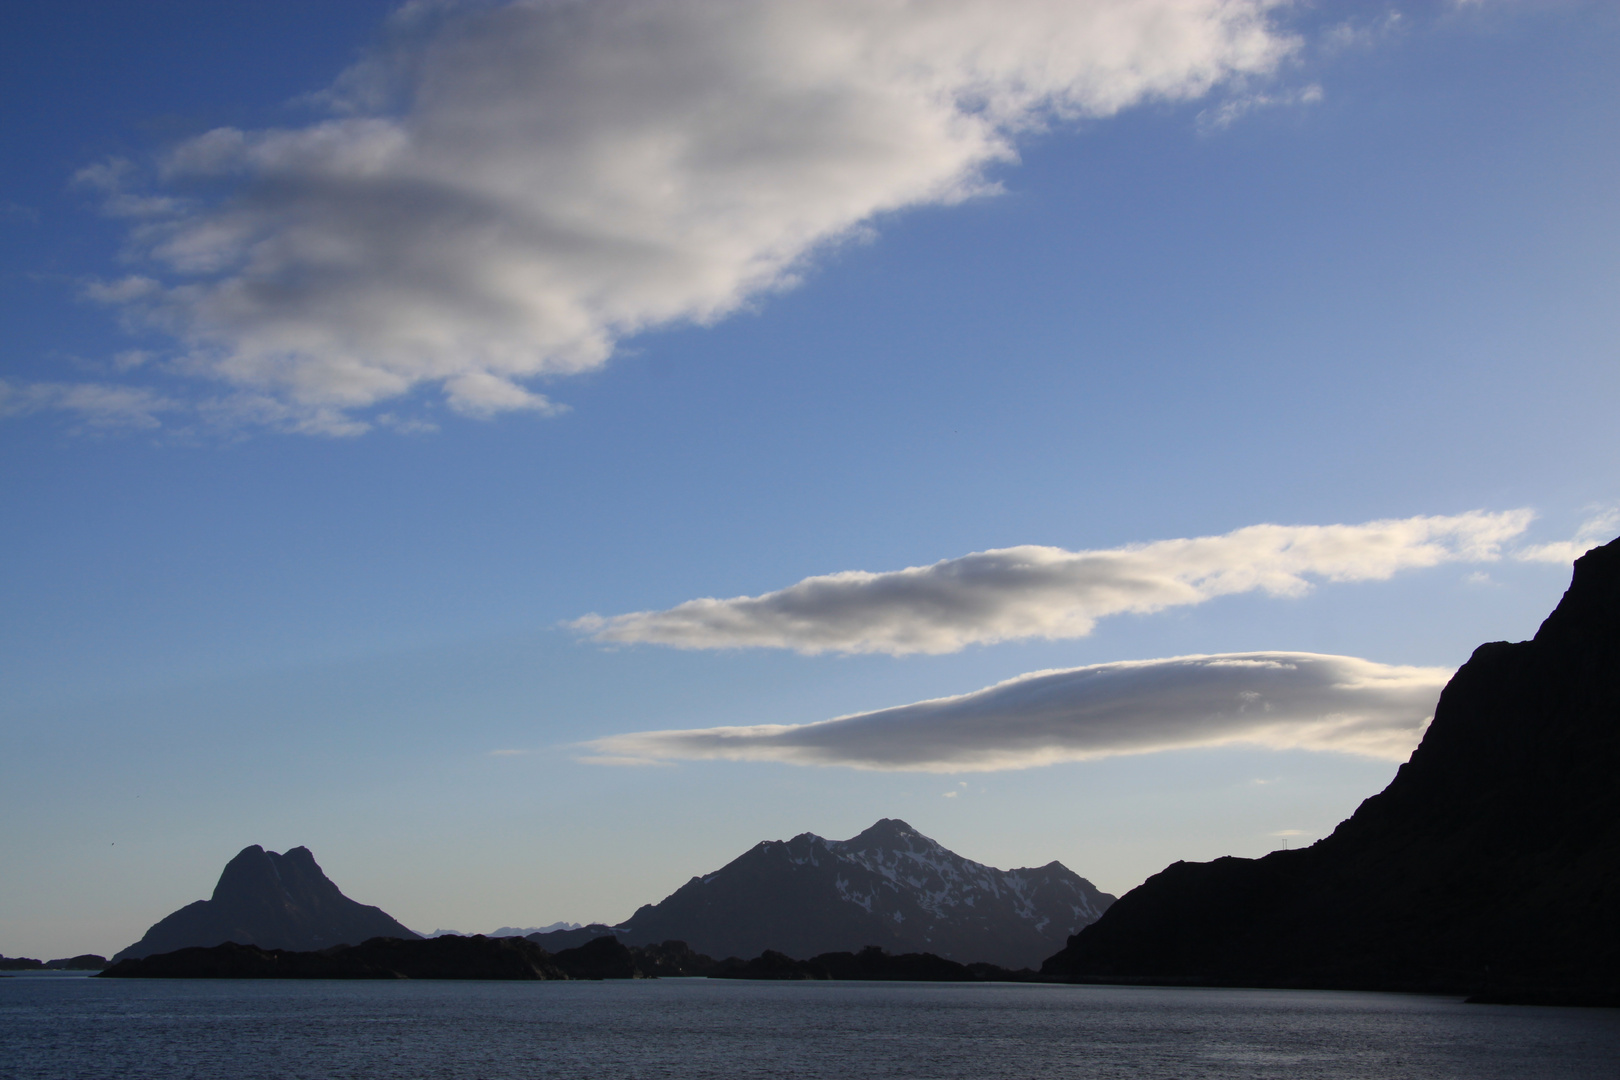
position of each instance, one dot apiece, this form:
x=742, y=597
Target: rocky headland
x=447, y=956
x=871, y=964
x=1489, y=866
x=82, y=962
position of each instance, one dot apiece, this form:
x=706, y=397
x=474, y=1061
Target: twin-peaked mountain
x=273, y=901
x=890, y=886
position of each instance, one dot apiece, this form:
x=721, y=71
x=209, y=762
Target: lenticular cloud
x=503, y=191
x=1047, y=592
x=1277, y=700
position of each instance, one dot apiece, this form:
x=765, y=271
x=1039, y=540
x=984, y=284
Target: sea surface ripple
x=202, y=1029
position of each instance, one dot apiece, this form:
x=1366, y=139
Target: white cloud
x=1047, y=592
x=506, y=190
x=1600, y=528
x=1235, y=108
x=1278, y=700
x=96, y=405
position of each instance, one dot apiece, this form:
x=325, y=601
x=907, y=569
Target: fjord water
x=712, y=1028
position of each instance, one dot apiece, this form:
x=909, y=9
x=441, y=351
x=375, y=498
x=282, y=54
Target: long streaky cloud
x=1047, y=592
x=1595, y=530
x=1277, y=700
x=502, y=191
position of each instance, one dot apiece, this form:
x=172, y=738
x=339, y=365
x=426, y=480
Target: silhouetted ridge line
x=1490, y=865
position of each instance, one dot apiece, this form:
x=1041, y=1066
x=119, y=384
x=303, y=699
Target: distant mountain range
x=890, y=886
x=1490, y=865
x=273, y=901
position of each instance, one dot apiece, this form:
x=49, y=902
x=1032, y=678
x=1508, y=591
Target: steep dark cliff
x=888, y=886
x=273, y=901
x=1491, y=863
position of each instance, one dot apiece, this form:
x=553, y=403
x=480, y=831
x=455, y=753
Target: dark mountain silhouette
x=871, y=964
x=558, y=940
x=82, y=962
x=446, y=956
x=1490, y=865
x=890, y=886
x=272, y=901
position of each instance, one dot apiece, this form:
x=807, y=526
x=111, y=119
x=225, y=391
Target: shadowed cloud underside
x=1048, y=592
x=1276, y=700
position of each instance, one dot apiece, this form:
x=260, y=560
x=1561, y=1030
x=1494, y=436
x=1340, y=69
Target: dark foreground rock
x=1490, y=865
x=277, y=902
x=672, y=960
x=555, y=941
x=82, y=962
x=872, y=963
x=769, y=964
x=446, y=957
x=604, y=958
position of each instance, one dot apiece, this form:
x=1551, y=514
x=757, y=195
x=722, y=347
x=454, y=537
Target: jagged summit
x=886, y=833
x=885, y=830
x=274, y=901
x=888, y=885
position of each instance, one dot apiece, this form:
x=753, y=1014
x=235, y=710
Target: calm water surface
x=81, y=1028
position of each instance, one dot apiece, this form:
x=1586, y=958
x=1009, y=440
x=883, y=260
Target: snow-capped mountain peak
x=889, y=885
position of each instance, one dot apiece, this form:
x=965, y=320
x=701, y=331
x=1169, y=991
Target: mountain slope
x=273, y=901
x=889, y=886
x=1490, y=864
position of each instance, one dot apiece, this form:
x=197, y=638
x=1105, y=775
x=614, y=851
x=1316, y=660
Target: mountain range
x=1490, y=865
x=890, y=886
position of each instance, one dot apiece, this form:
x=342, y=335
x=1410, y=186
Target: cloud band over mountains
x=501, y=191
x=1278, y=700
x=1048, y=592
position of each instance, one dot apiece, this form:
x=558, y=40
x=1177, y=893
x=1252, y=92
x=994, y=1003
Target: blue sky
x=1338, y=265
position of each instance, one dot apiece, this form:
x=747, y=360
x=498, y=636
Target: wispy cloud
x=1237, y=106
x=505, y=190
x=1278, y=700
x=1600, y=528
x=95, y=405
x=1048, y=592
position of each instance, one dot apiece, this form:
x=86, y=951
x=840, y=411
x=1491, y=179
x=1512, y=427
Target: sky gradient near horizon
x=530, y=452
